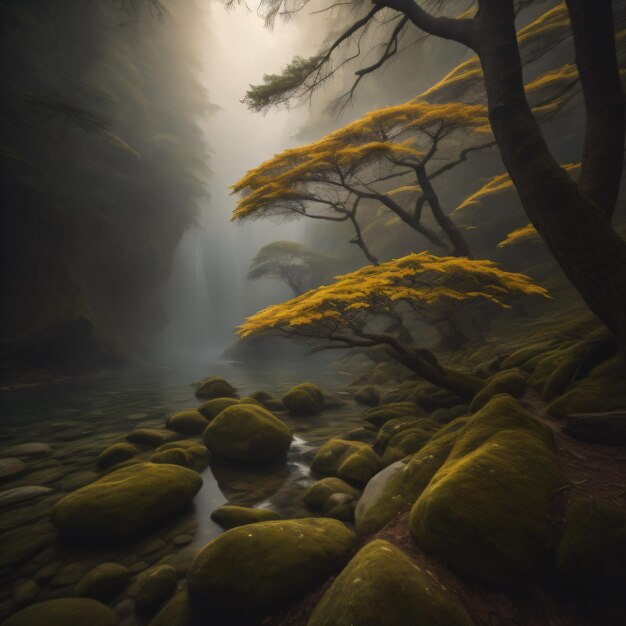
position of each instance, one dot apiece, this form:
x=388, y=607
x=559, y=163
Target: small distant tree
x=294, y=264
x=348, y=312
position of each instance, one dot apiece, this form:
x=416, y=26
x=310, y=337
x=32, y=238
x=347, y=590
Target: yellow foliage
x=499, y=184
x=424, y=281
x=525, y=233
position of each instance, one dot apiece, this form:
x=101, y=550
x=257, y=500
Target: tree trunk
x=575, y=229
x=459, y=245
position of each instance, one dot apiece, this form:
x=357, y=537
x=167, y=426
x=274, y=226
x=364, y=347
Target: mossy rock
x=153, y=587
x=231, y=516
x=248, y=433
x=591, y=559
x=520, y=357
x=365, y=435
x=117, y=453
x=390, y=429
x=395, y=489
x=485, y=513
x=189, y=422
x=212, y=408
x=194, y=457
x=176, y=612
x=152, y=437
x=243, y=575
x=318, y=493
x=215, y=387
x=385, y=413
x=367, y=396
x=62, y=612
x=513, y=382
x=340, y=506
x=332, y=454
x=382, y=585
x=126, y=501
x=304, y=399
x=261, y=396
x=102, y=582
x=602, y=391
x=250, y=400
x=409, y=441
x=360, y=466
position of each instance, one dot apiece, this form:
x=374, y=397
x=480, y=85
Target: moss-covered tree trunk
x=573, y=220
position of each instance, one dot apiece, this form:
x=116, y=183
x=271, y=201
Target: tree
x=329, y=178
x=296, y=265
x=347, y=312
x=574, y=219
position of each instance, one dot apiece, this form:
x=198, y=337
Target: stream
x=72, y=420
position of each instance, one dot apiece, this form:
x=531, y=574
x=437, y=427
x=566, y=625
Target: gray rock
x=21, y=494
x=11, y=467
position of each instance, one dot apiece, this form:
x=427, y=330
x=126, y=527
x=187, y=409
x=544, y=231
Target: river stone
x=318, y=493
x=126, y=500
x=117, y=453
x=64, y=612
x=11, y=467
x=249, y=433
x=177, y=612
x=215, y=387
x=381, y=585
x=230, y=516
x=153, y=587
x=152, y=437
x=188, y=422
x=21, y=494
x=102, y=582
x=243, y=575
x=25, y=593
x=26, y=449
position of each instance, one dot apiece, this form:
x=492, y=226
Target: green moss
x=360, y=466
x=304, y=399
x=215, y=387
x=591, y=559
x=603, y=390
x=521, y=356
x=117, y=453
x=512, y=381
x=382, y=585
x=409, y=441
x=395, y=410
x=249, y=433
x=212, y=408
x=230, y=516
x=189, y=422
x=367, y=396
x=125, y=501
x=248, y=572
x=153, y=586
x=318, y=493
x=332, y=454
x=102, y=582
x=177, y=612
x=394, y=490
x=184, y=457
x=151, y=437
x=390, y=429
x=485, y=514
x=262, y=396
x=62, y=612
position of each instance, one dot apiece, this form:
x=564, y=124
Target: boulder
x=248, y=433
x=11, y=467
x=102, y=582
x=230, y=516
x=367, y=396
x=62, y=612
x=409, y=441
x=605, y=428
x=387, y=412
x=151, y=437
x=194, y=457
x=212, y=408
x=126, y=501
x=304, y=399
x=15, y=495
x=318, y=493
x=243, y=575
x=382, y=585
x=176, y=612
x=340, y=506
x=153, y=587
x=512, y=381
x=486, y=512
x=353, y=461
x=117, y=453
x=189, y=422
x=591, y=558
x=215, y=387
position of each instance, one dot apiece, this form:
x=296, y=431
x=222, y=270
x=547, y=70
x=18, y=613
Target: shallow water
x=79, y=417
